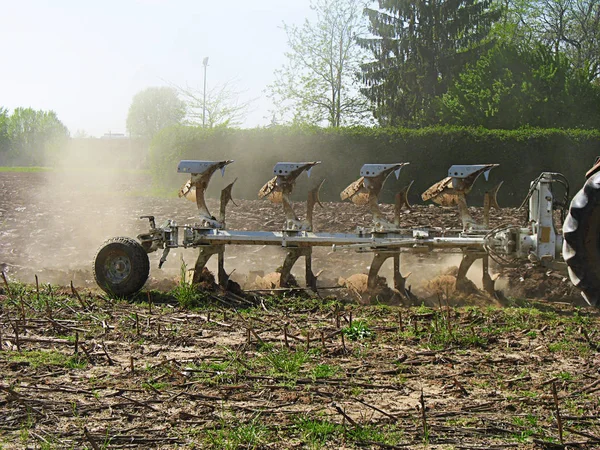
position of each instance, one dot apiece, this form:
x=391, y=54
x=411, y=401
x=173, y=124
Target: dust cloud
x=61, y=217
x=83, y=200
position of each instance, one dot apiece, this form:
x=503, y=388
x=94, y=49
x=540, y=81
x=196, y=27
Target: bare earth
x=80, y=370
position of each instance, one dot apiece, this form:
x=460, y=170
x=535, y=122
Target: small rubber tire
x=121, y=266
x=581, y=244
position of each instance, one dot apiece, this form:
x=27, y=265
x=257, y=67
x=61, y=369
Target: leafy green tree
x=511, y=87
x=318, y=82
x=418, y=47
x=153, y=109
x=34, y=136
x=571, y=27
x=4, y=136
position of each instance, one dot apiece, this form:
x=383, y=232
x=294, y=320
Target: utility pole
x=205, y=62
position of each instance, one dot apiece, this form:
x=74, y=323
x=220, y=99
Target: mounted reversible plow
x=121, y=266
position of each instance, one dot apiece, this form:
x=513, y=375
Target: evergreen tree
x=418, y=47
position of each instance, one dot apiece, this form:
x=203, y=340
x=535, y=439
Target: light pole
x=205, y=62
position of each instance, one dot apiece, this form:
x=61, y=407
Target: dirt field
x=51, y=225
x=81, y=370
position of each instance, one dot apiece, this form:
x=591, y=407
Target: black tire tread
x=581, y=225
x=140, y=267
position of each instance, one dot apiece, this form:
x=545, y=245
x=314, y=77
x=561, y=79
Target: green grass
x=322, y=371
x=249, y=435
x=37, y=359
x=187, y=295
x=284, y=363
x=315, y=433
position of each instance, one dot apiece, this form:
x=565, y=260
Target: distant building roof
x=110, y=135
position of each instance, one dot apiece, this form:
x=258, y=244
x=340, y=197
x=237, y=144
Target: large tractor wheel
x=121, y=266
x=581, y=246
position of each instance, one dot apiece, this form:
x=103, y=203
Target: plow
x=121, y=265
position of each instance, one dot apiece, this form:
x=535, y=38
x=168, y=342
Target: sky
x=86, y=59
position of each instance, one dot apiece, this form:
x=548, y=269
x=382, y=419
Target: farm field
x=177, y=368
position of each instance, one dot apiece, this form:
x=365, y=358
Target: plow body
x=536, y=241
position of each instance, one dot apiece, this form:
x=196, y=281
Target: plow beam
x=194, y=190
x=367, y=188
x=279, y=188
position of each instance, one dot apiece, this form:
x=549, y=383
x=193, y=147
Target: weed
x=241, y=435
x=315, y=433
x=324, y=371
x=285, y=363
x=186, y=294
x=38, y=358
x=357, y=331
x=564, y=376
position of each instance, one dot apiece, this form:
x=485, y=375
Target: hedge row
x=522, y=155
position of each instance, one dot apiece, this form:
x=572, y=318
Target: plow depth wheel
x=581, y=246
x=121, y=266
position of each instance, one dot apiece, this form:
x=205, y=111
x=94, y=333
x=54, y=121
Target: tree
x=418, y=47
x=318, y=84
x=35, y=136
x=511, y=87
x=223, y=106
x=153, y=109
x=4, y=136
x=571, y=27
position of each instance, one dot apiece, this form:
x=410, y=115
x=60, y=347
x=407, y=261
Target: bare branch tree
x=318, y=83
x=223, y=105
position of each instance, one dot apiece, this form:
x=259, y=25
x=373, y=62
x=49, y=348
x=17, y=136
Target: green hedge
x=522, y=155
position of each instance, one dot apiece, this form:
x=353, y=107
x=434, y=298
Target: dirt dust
x=52, y=223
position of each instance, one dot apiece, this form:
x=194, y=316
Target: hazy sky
x=86, y=59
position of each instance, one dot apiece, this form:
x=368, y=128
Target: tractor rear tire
x=581, y=245
x=121, y=267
